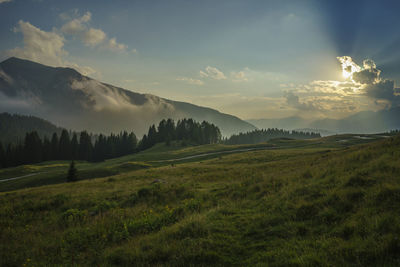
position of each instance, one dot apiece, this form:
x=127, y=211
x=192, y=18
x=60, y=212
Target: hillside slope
x=291, y=207
x=13, y=127
x=65, y=97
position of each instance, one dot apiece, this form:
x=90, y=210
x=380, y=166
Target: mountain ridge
x=360, y=122
x=66, y=97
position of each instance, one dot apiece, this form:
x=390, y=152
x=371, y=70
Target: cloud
x=93, y=37
x=294, y=101
x=213, y=73
x=369, y=80
x=103, y=97
x=190, y=80
x=109, y=98
x=363, y=89
x=78, y=26
x=39, y=45
x=44, y=47
x=19, y=102
x=348, y=66
x=368, y=75
x=239, y=76
x=4, y=1
x=113, y=45
x=383, y=89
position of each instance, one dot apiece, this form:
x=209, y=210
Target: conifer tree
x=65, y=145
x=72, y=175
x=2, y=156
x=74, y=147
x=54, y=147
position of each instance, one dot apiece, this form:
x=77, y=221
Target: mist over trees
x=264, y=135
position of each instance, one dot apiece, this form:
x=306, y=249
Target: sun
x=348, y=67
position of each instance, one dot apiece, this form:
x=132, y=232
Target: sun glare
x=348, y=67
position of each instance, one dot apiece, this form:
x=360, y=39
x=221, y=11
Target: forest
x=89, y=147
x=187, y=130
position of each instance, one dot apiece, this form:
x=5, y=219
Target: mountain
x=313, y=130
x=14, y=127
x=66, y=97
x=289, y=123
x=361, y=122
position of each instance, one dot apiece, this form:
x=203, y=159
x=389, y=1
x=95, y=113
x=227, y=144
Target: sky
x=252, y=59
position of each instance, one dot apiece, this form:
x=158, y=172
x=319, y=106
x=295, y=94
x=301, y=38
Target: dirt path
x=215, y=153
x=19, y=177
x=232, y=151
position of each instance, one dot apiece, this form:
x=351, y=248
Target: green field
x=323, y=202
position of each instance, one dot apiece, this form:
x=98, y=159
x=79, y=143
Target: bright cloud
x=39, y=45
x=190, y=80
x=368, y=79
x=78, y=26
x=213, y=73
x=348, y=66
x=362, y=88
x=44, y=47
x=113, y=45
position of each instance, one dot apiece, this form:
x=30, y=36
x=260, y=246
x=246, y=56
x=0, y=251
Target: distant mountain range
x=65, y=97
x=361, y=122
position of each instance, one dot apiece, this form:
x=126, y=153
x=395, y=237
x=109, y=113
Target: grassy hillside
x=326, y=202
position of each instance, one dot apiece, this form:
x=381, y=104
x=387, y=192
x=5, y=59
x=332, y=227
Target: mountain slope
x=65, y=97
x=14, y=127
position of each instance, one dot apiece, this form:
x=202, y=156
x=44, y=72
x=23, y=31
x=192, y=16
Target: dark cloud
x=294, y=101
x=383, y=89
x=374, y=86
x=367, y=76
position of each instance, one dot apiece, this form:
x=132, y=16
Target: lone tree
x=72, y=173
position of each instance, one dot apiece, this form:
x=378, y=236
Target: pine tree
x=32, y=148
x=72, y=173
x=2, y=157
x=85, y=146
x=65, y=145
x=74, y=146
x=54, y=147
x=46, y=149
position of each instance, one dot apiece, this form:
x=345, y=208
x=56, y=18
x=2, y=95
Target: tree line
x=264, y=135
x=88, y=147
x=67, y=147
x=186, y=130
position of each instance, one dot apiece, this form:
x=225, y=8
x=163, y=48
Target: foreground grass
x=289, y=207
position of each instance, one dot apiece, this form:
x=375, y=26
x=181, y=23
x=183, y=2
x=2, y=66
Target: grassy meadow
x=325, y=202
